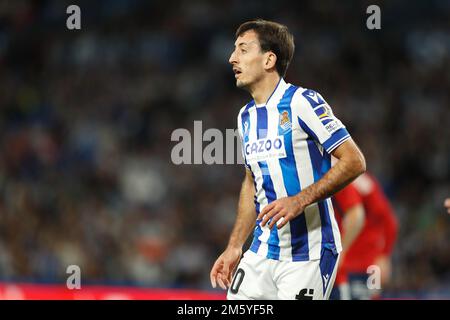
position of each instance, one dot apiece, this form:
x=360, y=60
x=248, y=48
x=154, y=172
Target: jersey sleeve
x=317, y=119
x=347, y=198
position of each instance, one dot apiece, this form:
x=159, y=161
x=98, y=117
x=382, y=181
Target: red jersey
x=380, y=228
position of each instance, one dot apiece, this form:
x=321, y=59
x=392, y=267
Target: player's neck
x=262, y=90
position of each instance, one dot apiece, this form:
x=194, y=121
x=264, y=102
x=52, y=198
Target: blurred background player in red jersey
x=350, y=215
x=363, y=202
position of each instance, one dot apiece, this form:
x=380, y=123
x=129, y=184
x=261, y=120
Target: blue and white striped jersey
x=286, y=144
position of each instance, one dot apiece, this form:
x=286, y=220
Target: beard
x=241, y=84
x=249, y=81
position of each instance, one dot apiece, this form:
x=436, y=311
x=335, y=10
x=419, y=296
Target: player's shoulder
x=242, y=109
x=306, y=98
x=245, y=107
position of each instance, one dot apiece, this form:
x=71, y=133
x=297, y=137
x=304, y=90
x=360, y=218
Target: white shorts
x=260, y=278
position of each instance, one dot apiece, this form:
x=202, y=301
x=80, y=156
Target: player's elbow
x=358, y=164
x=352, y=159
x=362, y=164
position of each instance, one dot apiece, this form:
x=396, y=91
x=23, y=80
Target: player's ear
x=270, y=60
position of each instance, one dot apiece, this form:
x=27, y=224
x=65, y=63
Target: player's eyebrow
x=244, y=44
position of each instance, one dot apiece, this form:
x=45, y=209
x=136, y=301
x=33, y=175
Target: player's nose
x=233, y=58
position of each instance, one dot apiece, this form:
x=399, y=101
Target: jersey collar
x=276, y=94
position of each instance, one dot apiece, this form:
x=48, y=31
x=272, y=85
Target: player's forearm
x=352, y=225
x=340, y=175
x=246, y=217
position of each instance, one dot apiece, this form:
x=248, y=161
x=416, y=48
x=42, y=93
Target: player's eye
x=243, y=51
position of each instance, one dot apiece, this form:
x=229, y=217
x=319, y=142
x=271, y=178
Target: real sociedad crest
x=285, y=122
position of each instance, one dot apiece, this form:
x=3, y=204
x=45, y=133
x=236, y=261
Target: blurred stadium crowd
x=86, y=119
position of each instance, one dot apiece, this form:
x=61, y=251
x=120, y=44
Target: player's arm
x=245, y=220
x=223, y=268
x=350, y=203
x=352, y=224
x=350, y=164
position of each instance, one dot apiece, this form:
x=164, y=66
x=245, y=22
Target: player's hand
x=223, y=269
x=281, y=211
x=447, y=204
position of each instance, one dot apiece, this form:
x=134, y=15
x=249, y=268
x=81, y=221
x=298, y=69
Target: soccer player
x=350, y=215
x=288, y=135
x=374, y=244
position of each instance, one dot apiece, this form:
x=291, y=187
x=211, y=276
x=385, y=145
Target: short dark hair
x=273, y=37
